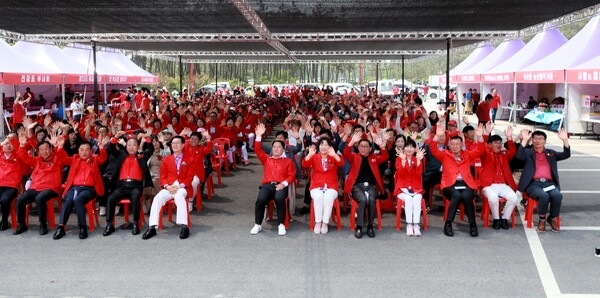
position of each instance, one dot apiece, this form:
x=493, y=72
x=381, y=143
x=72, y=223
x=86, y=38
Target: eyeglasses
x=364, y=146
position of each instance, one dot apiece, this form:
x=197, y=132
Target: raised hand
x=205, y=134
x=260, y=130
x=562, y=134
x=331, y=151
x=479, y=130
x=508, y=132
x=377, y=140
x=400, y=153
x=421, y=153
x=525, y=135
x=465, y=120
x=414, y=135
x=356, y=137
x=22, y=139
x=489, y=127
x=312, y=150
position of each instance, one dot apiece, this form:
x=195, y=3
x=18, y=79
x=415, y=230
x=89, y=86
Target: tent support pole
x=2, y=111
x=180, y=74
x=447, y=99
x=377, y=78
x=403, y=87
x=63, y=99
x=95, y=80
x=514, y=108
x=563, y=120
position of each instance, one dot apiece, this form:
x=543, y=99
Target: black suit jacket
x=528, y=156
x=142, y=161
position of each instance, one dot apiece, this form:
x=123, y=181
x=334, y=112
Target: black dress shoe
x=20, y=229
x=448, y=229
x=473, y=230
x=185, y=232
x=496, y=224
x=358, y=233
x=108, y=230
x=151, y=232
x=135, y=230
x=4, y=226
x=505, y=225
x=60, y=232
x=43, y=229
x=83, y=234
x=370, y=231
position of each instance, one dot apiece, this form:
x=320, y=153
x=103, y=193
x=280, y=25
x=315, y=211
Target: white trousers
x=233, y=149
x=251, y=137
x=496, y=191
x=412, y=207
x=161, y=198
x=322, y=200
x=195, y=183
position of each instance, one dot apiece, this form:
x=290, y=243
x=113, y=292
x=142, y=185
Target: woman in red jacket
x=324, y=181
x=409, y=184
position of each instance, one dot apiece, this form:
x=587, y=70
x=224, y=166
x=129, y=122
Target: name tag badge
x=212, y=130
x=460, y=187
x=549, y=188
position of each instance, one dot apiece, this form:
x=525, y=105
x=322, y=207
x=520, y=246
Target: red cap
x=452, y=122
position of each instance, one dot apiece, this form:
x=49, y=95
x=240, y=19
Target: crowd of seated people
x=152, y=147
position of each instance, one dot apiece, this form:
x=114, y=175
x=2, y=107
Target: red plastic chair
x=485, y=211
x=210, y=187
x=531, y=204
x=126, y=203
x=217, y=165
x=354, y=207
x=226, y=145
x=400, y=204
x=460, y=206
x=271, y=207
x=92, y=215
x=221, y=156
x=49, y=213
x=336, y=216
x=170, y=204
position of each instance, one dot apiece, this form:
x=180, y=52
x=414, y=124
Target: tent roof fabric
x=160, y=17
x=20, y=69
x=543, y=44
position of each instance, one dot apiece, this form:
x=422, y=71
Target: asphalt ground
x=222, y=259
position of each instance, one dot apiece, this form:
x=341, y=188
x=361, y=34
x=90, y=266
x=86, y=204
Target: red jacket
x=11, y=170
x=490, y=170
x=169, y=174
x=275, y=169
x=355, y=159
x=198, y=154
x=76, y=161
x=320, y=176
x=451, y=168
x=45, y=175
x=408, y=176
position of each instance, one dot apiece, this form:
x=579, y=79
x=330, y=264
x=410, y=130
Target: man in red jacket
x=11, y=171
x=457, y=182
x=278, y=173
x=176, y=174
x=45, y=181
x=84, y=183
x=364, y=180
x=496, y=178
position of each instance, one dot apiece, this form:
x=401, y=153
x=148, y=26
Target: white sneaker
x=417, y=230
x=324, y=228
x=281, y=230
x=317, y=228
x=255, y=229
x=102, y=211
x=409, y=230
